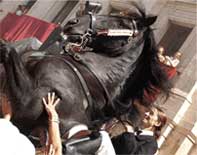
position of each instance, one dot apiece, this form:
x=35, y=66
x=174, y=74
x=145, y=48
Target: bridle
x=91, y=33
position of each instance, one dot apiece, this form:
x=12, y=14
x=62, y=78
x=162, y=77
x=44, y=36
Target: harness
x=81, y=68
x=92, y=32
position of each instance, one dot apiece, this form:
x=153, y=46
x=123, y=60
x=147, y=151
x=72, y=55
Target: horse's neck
x=113, y=71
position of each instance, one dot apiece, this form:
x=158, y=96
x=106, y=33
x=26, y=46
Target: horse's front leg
x=17, y=76
x=19, y=82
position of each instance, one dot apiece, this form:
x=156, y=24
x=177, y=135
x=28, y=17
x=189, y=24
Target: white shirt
x=170, y=61
x=12, y=142
x=106, y=147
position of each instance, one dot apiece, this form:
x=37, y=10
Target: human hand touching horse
x=50, y=105
x=54, y=147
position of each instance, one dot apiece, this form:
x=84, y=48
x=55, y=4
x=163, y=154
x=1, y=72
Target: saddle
x=80, y=140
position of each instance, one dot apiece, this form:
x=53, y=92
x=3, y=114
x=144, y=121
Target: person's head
x=161, y=50
x=155, y=119
x=178, y=55
x=141, y=108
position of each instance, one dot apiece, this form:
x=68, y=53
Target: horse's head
x=110, y=34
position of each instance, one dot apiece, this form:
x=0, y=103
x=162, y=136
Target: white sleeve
x=12, y=142
x=106, y=147
x=175, y=62
x=168, y=61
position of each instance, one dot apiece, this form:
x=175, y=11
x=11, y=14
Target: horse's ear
x=94, y=7
x=150, y=20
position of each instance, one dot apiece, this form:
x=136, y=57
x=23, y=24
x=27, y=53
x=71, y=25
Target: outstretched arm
x=55, y=146
x=6, y=108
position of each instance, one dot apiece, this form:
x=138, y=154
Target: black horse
x=95, y=87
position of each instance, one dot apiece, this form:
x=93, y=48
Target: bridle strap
x=92, y=32
x=92, y=22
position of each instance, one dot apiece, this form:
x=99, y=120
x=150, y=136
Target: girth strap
x=107, y=96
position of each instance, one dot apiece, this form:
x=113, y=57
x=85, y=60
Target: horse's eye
x=73, y=22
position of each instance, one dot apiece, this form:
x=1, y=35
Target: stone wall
x=8, y=6
x=180, y=108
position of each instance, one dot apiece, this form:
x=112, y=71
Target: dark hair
x=162, y=119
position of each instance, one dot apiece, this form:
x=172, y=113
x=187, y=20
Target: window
x=174, y=38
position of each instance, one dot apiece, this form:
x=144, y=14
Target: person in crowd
x=55, y=147
x=144, y=140
x=160, y=54
x=19, y=143
x=171, y=61
x=12, y=142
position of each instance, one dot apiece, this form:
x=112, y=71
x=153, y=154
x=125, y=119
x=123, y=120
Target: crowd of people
x=134, y=140
x=140, y=140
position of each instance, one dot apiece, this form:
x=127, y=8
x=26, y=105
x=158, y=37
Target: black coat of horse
x=125, y=65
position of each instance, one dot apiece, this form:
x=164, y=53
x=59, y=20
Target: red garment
x=170, y=71
x=13, y=28
x=150, y=97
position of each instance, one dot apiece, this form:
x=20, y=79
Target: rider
x=144, y=140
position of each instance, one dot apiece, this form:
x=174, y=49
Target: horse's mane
x=148, y=77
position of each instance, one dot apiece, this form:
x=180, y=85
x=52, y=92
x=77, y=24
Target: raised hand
x=50, y=104
x=6, y=108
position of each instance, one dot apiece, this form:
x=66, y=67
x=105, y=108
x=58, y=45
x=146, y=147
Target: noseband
x=91, y=32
